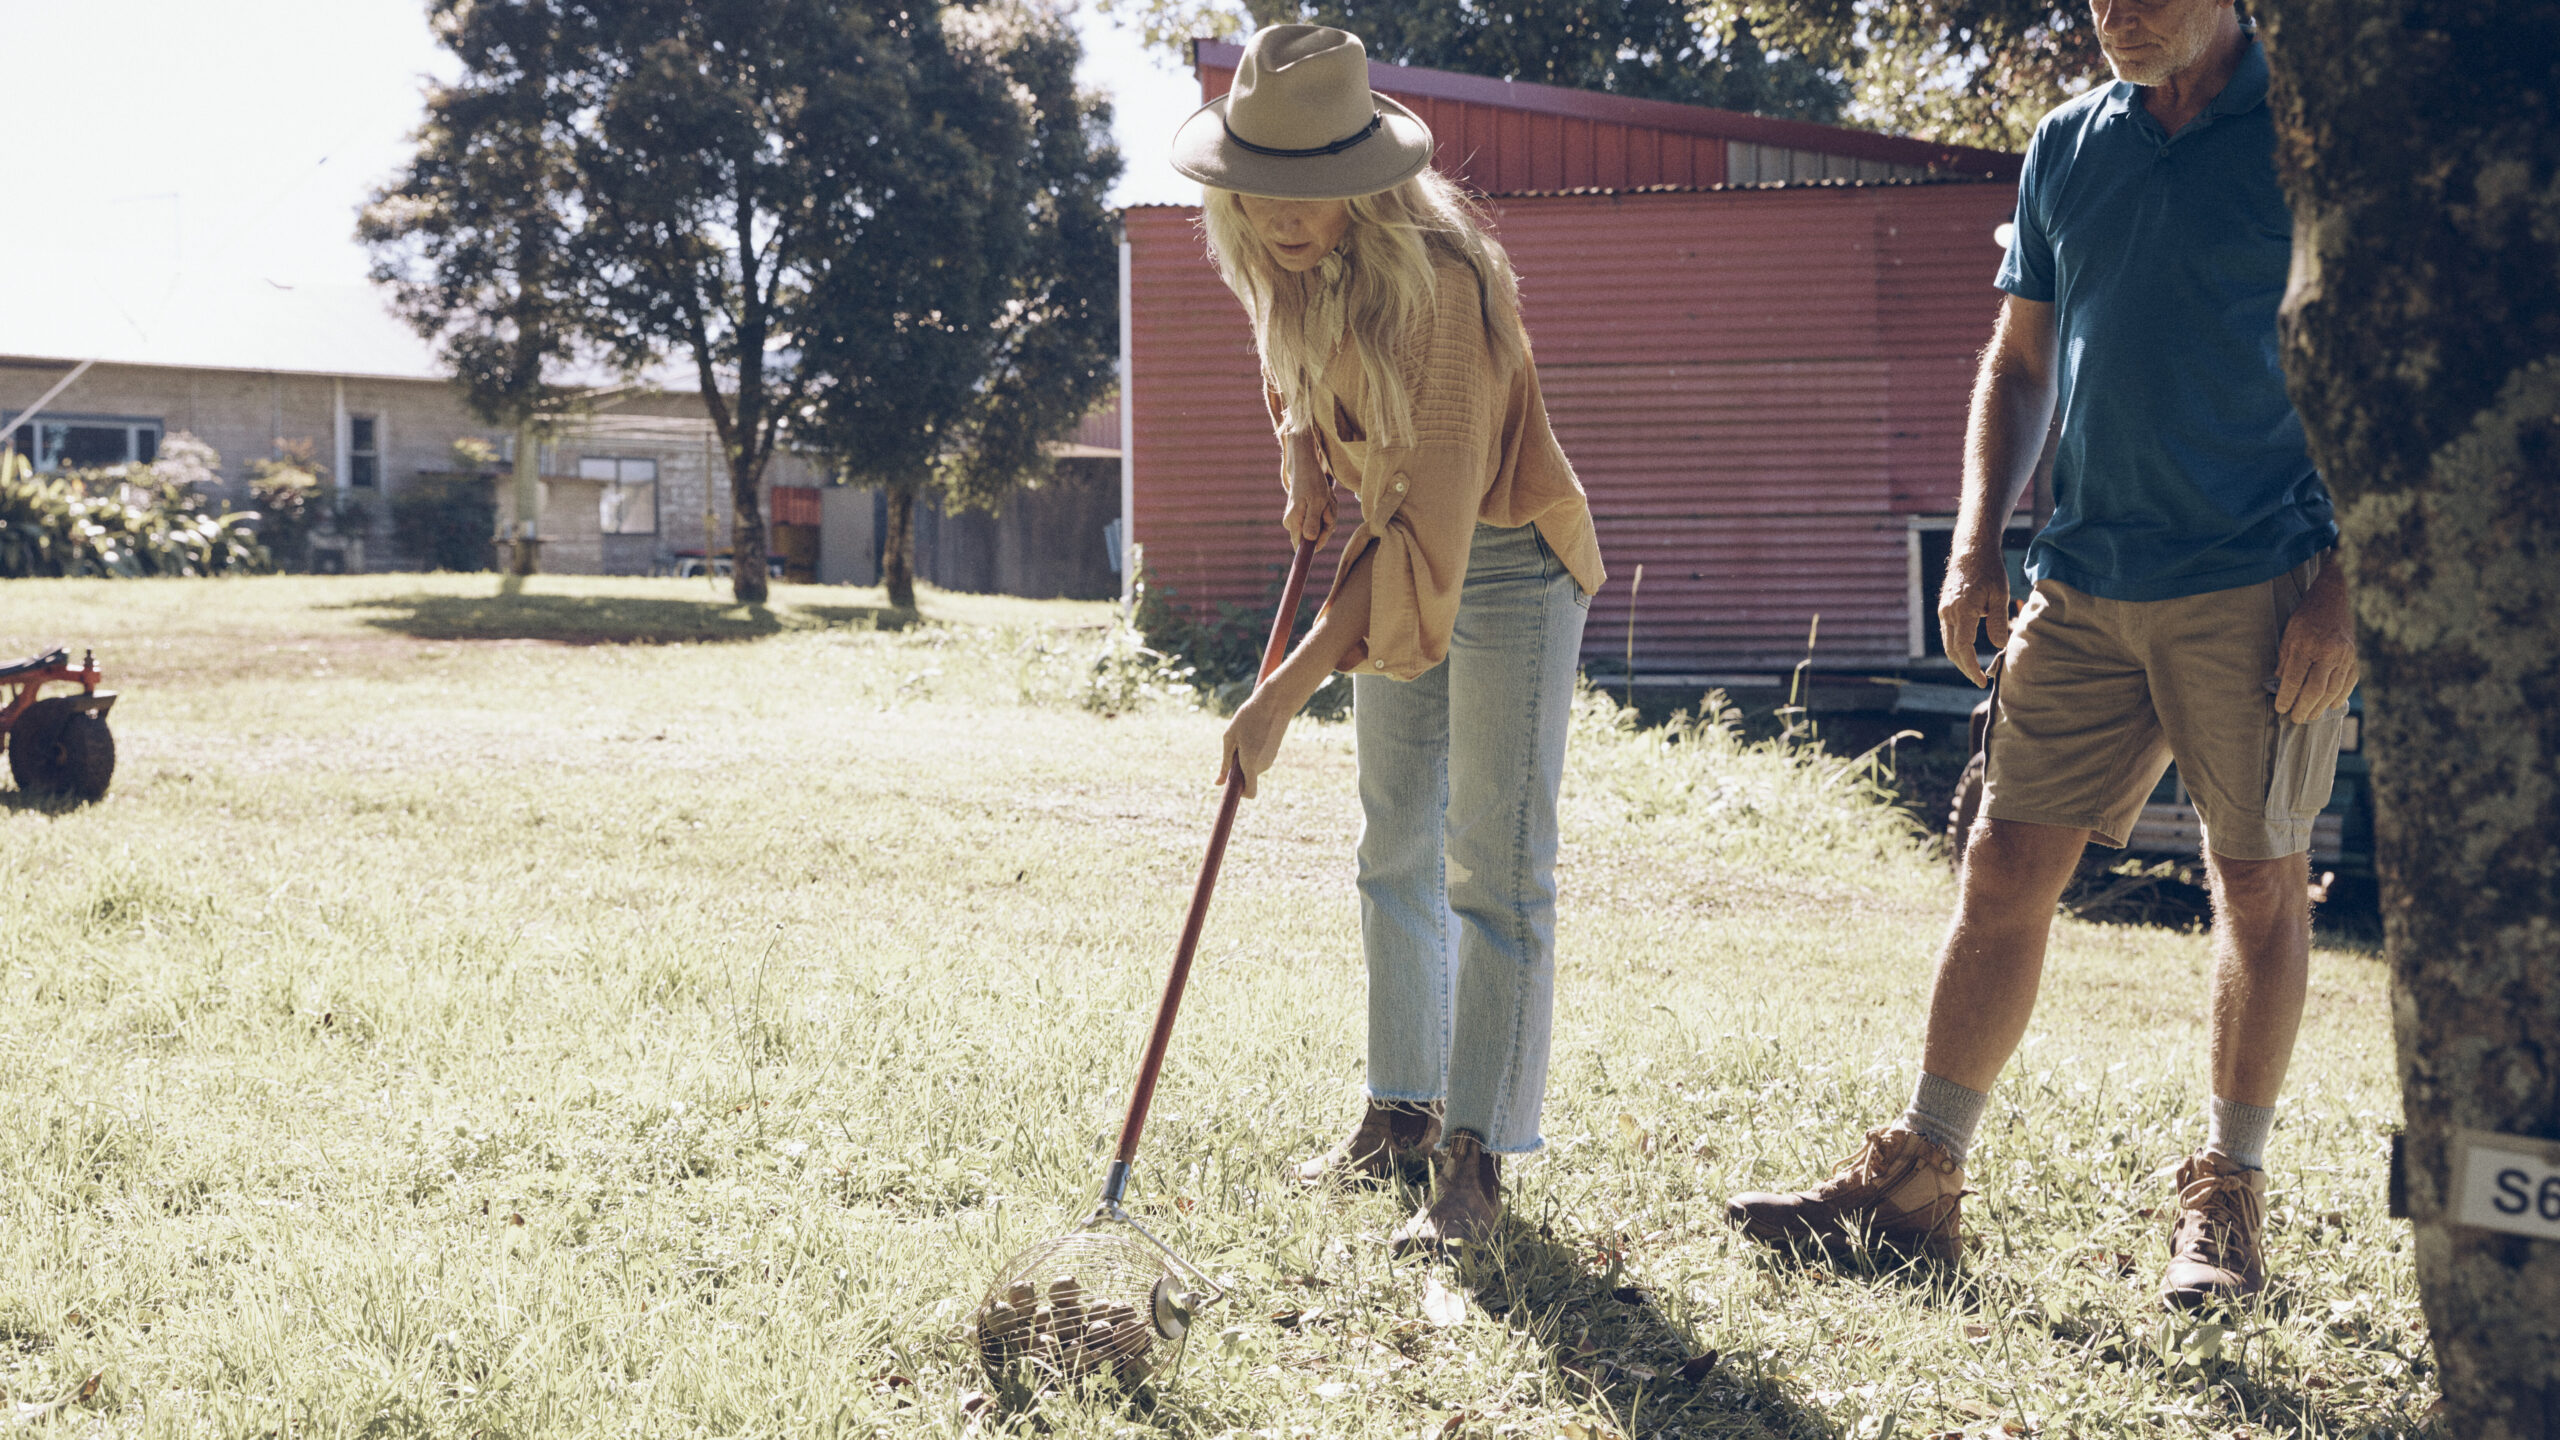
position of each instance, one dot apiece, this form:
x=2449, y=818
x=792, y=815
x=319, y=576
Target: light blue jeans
x=1458, y=776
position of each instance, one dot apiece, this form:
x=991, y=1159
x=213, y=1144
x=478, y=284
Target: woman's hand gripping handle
x=1254, y=733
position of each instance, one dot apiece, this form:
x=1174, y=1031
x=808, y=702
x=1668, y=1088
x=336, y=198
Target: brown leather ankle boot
x=1900, y=1192
x=1391, y=1135
x=1466, y=1198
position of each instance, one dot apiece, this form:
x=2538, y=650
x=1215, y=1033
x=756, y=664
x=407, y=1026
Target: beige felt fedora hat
x=1301, y=123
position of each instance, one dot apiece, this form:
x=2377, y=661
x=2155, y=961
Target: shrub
x=446, y=520
x=129, y=521
x=294, y=499
x=1224, y=651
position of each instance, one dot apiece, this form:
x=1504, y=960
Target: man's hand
x=1310, y=512
x=1976, y=594
x=1253, y=738
x=2316, y=664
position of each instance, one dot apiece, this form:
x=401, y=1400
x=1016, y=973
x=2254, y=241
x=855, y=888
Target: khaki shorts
x=2097, y=696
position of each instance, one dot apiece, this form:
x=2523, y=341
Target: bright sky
x=184, y=175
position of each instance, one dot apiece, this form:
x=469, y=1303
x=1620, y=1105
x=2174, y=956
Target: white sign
x=2507, y=1182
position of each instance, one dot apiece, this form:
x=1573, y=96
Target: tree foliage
x=744, y=186
x=471, y=239
x=1976, y=72
x=1648, y=49
x=1963, y=72
x=983, y=320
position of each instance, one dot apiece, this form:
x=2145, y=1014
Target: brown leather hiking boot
x=1391, y=1134
x=1466, y=1198
x=1900, y=1192
x=2214, y=1253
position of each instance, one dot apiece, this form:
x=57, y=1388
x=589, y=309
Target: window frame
x=364, y=462
x=614, y=494
x=29, y=439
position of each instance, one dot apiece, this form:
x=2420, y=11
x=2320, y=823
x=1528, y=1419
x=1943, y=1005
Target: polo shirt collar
x=2247, y=89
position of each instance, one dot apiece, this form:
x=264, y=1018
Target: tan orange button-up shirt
x=1482, y=453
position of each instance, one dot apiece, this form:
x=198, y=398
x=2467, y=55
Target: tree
x=1649, y=49
x=734, y=149
x=2420, y=145
x=982, y=321
x=1973, y=72
x=473, y=238
x=1961, y=72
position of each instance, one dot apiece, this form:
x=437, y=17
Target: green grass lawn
x=605, y=1010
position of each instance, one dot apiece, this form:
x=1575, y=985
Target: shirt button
x=1399, y=487
x=1381, y=664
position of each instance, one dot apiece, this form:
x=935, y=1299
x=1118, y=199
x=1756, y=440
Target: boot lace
x=2218, y=1217
x=1860, y=1171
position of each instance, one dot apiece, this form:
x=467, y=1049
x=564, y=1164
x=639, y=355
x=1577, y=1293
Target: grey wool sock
x=1945, y=1113
x=2239, y=1131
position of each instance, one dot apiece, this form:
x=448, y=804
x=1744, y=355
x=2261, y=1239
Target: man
x=2186, y=605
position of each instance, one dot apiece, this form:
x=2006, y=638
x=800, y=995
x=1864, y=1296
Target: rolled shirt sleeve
x=1420, y=502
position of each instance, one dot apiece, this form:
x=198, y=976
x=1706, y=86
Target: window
x=1931, y=539
x=364, y=451
x=82, y=442
x=628, y=502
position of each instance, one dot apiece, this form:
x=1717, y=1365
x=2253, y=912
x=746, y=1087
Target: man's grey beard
x=2174, y=53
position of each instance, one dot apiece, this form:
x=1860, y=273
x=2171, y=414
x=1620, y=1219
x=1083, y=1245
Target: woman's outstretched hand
x=1253, y=737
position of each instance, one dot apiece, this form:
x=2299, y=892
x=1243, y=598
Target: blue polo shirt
x=2181, y=467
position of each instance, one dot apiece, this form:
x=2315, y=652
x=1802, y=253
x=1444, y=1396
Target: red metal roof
x=1756, y=387
x=1507, y=137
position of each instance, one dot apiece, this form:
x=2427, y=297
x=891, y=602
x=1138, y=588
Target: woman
x=1389, y=328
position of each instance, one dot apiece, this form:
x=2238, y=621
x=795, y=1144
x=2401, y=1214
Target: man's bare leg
x=2261, y=972
x=1905, y=1189
x=2261, y=975
x=1994, y=954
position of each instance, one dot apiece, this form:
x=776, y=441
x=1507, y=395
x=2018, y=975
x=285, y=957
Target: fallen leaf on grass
x=974, y=1401
x=89, y=1387
x=1697, y=1367
x=1977, y=1333
x=1441, y=1305
x=1450, y=1426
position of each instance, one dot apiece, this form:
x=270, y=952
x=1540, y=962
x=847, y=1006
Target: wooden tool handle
x=1144, y=1093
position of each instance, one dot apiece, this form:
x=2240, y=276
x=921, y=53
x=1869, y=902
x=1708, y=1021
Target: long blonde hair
x=1375, y=292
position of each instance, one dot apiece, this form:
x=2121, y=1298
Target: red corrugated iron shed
x=1758, y=386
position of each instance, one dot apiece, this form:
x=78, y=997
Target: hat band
x=1377, y=118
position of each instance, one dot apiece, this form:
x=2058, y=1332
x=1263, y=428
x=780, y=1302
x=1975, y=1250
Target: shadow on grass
x=19, y=802
x=1604, y=1333
x=608, y=619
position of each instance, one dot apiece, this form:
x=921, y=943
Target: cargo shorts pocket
x=2305, y=767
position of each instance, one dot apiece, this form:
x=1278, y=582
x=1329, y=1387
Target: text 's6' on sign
x=2507, y=1182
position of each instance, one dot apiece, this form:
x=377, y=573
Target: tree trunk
x=2419, y=145
x=524, y=551
x=747, y=579
x=898, y=550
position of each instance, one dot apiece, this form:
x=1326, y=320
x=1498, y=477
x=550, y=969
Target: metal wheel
x=55, y=749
